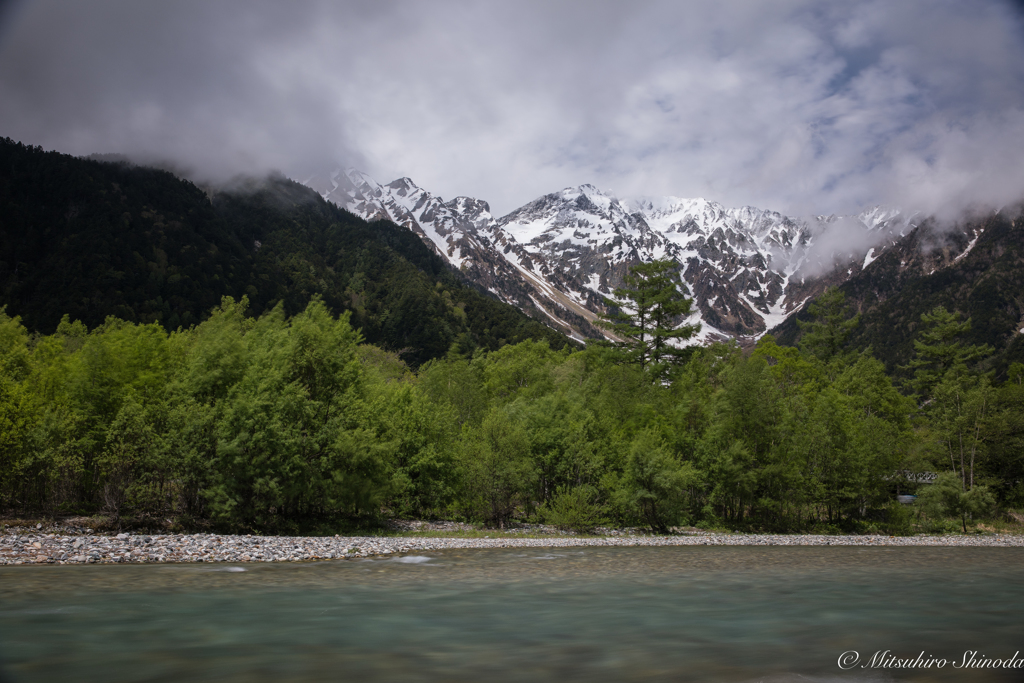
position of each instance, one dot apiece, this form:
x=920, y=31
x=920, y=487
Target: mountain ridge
x=565, y=252
x=92, y=239
x=976, y=271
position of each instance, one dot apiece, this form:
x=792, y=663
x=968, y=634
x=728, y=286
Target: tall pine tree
x=644, y=314
x=940, y=350
x=825, y=336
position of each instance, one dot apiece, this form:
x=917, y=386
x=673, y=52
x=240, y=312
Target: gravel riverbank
x=36, y=546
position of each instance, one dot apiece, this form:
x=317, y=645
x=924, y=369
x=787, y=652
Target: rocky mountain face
x=975, y=268
x=559, y=256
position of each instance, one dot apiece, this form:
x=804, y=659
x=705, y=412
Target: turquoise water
x=602, y=614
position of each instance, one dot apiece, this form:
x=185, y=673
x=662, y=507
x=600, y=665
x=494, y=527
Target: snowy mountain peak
x=561, y=254
x=403, y=187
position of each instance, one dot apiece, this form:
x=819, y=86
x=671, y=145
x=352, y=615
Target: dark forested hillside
x=929, y=269
x=92, y=239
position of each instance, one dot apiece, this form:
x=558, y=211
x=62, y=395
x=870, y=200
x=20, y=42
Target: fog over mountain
x=797, y=106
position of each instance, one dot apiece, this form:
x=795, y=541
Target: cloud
x=195, y=83
x=798, y=106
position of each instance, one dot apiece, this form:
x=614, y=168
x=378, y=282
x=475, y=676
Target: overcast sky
x=799, y=106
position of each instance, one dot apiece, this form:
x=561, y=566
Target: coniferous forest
x=257, y=359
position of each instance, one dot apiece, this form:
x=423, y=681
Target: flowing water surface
x=596, y=614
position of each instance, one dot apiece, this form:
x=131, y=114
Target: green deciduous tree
x=575, y=509
x=129, y=457
x=293, y=442
x=655, y=482
x=1005, y=462
x=959, y=414
x=947, y=497
x=420, y=437
x=498, y=474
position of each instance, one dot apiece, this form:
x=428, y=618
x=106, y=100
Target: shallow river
x=601, y=614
